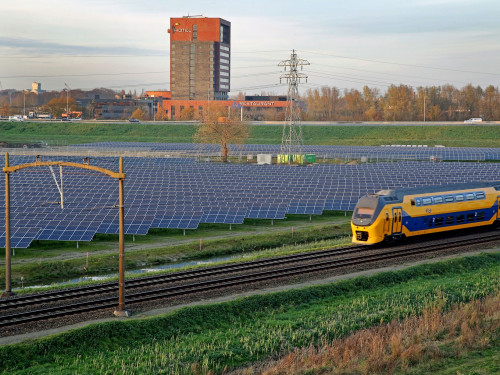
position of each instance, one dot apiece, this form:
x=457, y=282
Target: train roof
x=398, y=194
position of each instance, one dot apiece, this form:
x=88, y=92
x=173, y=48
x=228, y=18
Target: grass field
x=74, y=133
x=229, y=335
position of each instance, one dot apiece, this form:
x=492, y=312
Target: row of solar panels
x=352, y=152
x=169, y=193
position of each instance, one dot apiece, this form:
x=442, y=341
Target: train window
x=418, y=202
x=480, y=215
x=480, y=195
x=438, y=199
x=459, y=197
x=470, y=217
x=438, y=221
x=448, y=198
x=460, y=219
x=449, y=220
x=412, y=202
x=469, y=196
x=426, y=200
x=363, y=213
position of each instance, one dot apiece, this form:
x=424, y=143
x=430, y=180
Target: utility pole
x=67, y=100
x=424, y=107
x=153, y=107
x=24, y=103
x=292, y=141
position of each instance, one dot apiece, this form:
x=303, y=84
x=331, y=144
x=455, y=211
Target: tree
x=399, y=103
x=354, y=104
x=187, y=114
x=370, y=97
x=57, y=106
x=161, y=115
x=5, y=110
x=139, y=114
x=216, y=127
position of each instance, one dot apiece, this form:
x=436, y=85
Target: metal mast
x=291, y=143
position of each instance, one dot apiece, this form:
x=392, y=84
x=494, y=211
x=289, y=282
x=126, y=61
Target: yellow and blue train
x=406, y=212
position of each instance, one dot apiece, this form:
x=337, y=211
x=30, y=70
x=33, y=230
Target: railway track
x=214, y=278
x=112, y=287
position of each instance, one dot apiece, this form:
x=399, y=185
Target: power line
x=348, y=78
x=402, y=64
x=258, y=87
x=387, y=74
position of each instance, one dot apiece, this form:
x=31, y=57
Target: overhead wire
x=401, y=64
x=338, y=76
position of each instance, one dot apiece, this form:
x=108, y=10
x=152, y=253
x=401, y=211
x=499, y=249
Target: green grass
x=74, y=133
x=236, y=333
x=36, y=267
x=165, y=237
x=244, y=257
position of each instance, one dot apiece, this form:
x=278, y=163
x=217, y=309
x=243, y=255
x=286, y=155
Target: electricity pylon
x=291, y=143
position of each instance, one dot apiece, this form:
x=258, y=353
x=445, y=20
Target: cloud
x=38, y=46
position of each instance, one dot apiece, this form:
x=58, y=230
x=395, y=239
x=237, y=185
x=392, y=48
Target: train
x=390, y=215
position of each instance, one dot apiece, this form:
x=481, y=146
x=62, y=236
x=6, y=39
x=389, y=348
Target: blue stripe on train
x=414, y=224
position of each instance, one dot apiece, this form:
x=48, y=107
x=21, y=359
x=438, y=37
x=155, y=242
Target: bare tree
x=216, y=127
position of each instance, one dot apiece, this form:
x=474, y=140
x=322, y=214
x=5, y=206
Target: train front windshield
x=363, y=213
x=366, y=210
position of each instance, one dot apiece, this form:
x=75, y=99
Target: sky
x=349, y=44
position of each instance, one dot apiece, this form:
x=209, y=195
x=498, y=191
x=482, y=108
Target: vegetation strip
x=232, y=334
x=62, y=133
x=51, y=271
x=424, y=341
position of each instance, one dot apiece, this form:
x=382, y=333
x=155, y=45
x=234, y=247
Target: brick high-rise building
x=200, y=58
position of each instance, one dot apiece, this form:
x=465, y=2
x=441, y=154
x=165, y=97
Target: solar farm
x=385, y=152
x=174, y=192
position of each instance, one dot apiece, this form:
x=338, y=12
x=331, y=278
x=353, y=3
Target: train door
x=397, y=219
x=387, y=224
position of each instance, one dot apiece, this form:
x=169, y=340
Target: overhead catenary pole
x=8, y=288
x=121, y=311
x=120, y=176
x=292, y=141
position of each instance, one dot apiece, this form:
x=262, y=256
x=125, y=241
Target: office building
x=200, y=58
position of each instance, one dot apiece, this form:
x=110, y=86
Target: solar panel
x=180, y=193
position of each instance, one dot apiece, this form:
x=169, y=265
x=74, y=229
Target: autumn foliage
x=216, y=127
x=403, y=103
x=397, y=345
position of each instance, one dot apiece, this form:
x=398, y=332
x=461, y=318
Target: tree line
x=402, y=103
x=398, y=103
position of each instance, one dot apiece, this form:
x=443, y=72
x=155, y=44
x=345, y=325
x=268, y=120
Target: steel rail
x=203, y=286
x=110, y=287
